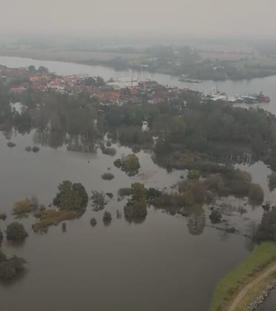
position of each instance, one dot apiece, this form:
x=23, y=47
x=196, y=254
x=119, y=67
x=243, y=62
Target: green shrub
x=49, y=217
x=107, y=176
x=256, y=194
x=3, y=216
x=107, y=218
x=10, y=268
x=124, y=192
x=129, y=164
x=272, y=181
x=71, y=196
x=16, y=232
x=135, y=211
x=23, y=207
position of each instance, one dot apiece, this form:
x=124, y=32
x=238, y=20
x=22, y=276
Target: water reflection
x=196, y=221
x=53, y=139
x=156, y=256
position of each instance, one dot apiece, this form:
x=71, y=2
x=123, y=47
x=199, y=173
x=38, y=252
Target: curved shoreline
x=97, y=63
x=259, y=300
x=240, y=287
x=268, y=272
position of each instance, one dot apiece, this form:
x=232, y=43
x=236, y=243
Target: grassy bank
x=255, y=292
x=262, y=256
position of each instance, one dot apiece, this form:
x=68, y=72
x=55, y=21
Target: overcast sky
x=193, y=17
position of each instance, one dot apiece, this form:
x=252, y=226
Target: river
x=243, y=87
x=165, y=263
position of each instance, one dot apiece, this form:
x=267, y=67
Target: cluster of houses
x=21, y=80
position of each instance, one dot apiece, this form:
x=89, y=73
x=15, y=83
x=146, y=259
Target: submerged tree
x=98, y=200
x=10, y=268
x=71, y=196
x=256, y=194
x=16, y=232
x=129, y=164
x=107, y=218
x=136, y=207
x=267, y=228
x=196, y=222
x=272, y=181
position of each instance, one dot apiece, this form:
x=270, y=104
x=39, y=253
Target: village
x=22, y=80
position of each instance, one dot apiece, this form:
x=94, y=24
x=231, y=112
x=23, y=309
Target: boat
x=256, y=99
x=244, y=99
x=263, y=99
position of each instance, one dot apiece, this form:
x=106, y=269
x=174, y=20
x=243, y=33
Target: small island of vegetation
x=129, y=164
x=16, y=232
x=71, y=202
x=136, y=207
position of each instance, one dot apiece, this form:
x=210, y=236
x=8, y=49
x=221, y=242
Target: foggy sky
x=191, y=17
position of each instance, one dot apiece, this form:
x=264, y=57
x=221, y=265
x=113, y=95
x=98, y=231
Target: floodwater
x=160, y=264
x=270, y=303
x=165, y=263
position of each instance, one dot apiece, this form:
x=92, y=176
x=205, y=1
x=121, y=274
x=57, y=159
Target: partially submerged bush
x=267, y=228
x=124, y=192
x=16, y=232
x=107, y=176
x=136, y=207
x=272, y=181
x=3, y=216
x=107, y=218
x=256, y=194
x=136, y=211
x=11, y=144
x=172, y=203
x=194, y=192
x=153, y=194
x=215, y=216
x=110, y=195
x=193, y=174
x=98, y=200
x=71, y=196
x=51, y=217
x=117, y=163
x=10, y=268
x=35, y=149
x=108, y=151
x=93, y=222
x=23, y=207
x=129, y=164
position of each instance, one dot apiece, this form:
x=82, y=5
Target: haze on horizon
x=172, y=17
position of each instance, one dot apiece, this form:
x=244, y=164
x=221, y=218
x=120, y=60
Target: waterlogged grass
x=263, y=255
x=52, y=217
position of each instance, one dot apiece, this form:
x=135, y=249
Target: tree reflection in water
x=196, y=221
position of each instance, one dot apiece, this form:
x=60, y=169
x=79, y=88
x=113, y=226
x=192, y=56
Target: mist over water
x=165, y=262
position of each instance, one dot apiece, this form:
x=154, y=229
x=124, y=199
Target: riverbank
x=241, y=286
x=141, y=62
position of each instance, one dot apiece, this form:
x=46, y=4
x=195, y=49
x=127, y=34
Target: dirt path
x=249, y=286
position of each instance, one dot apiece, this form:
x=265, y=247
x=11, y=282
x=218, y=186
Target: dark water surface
x=156, y=265
x=270, y=303
x=165, y=263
